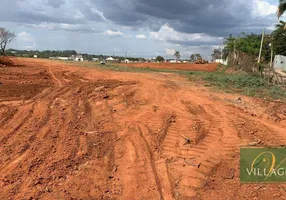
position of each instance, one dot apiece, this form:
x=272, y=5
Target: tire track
x=189, y=166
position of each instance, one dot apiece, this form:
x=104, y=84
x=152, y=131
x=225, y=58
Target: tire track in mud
x=251, y=130
x=60, y=84
x=20, y=122
x=188, y=166
x=36, y=125
x=136, y=165
x=169, y=149
x=8, y=113
x=50, y=133
x=109, y=139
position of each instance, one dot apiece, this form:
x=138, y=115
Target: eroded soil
x=76, y=133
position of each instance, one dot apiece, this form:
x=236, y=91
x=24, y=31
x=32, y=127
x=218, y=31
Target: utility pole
x=262, y=39
x=271, y=61
x=272, y=52
x=234, y=49
x=221, y=50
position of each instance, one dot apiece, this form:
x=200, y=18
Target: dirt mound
x=6, y=61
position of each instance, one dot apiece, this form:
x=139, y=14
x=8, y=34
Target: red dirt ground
x=78, y=133
x=5, y=61
x=178, y=66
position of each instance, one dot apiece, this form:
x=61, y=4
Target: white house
x=95, y=59
x=126, y=61
x=63, y=58
x=35, y=56
x=110, y=59
x=280, y=62
x=78, y=58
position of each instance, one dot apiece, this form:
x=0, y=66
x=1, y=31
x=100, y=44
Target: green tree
x=279, y=38
x=198, y=56
x=249, y=44
x=216, y=54
x=281, y=9
x=193, y=58
x=229, y=46
x=177, y=55
x=159, y=59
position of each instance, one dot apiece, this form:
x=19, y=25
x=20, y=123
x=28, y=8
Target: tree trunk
x=3, y=52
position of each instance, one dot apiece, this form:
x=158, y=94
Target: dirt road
x=77, y=133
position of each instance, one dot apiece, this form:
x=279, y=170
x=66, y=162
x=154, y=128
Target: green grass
x=247, y=84
x=242, y=82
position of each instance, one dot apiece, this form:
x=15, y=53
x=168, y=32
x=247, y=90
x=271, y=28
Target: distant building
x=280, y=62
x=95, y=59
x=35, y=56
x=72, y=57
x=78, y=58
x=110, y=59
x=63, y=58
x=126, y=61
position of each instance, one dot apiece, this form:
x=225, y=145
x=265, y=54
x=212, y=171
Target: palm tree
x=177, y=55
x=279, y=38
x=281, y=9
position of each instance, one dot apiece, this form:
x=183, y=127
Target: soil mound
x=6, y=61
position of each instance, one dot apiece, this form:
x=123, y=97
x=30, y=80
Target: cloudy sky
x=139, y=27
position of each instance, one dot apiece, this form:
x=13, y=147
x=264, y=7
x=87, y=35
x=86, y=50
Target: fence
x=244, y=62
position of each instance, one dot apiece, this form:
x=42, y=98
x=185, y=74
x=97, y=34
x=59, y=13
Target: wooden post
x=262, y=39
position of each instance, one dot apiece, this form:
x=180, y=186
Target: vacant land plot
x=68, y=132
x=174, y=66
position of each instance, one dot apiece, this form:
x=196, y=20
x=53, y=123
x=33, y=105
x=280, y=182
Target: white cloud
x=30, y=47
x=170, y=52
x=79, y=15
x=263, y=8
x=26, y=40
x=24, y=36
x=95, y=11
x=56, y=26
x=141, y=36
x=64, y=27
x=113, y=33
x=167, y=33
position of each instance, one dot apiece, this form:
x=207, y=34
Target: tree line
x=250, y=43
